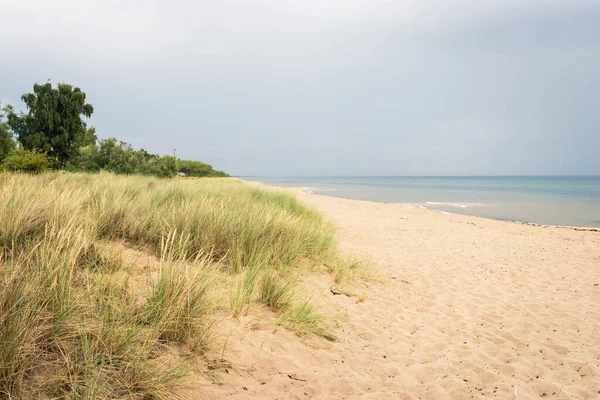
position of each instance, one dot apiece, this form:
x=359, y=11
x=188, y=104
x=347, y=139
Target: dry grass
x=71, y=325
x=348, y=270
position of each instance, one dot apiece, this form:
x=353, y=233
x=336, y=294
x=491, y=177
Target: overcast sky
x=326, y=87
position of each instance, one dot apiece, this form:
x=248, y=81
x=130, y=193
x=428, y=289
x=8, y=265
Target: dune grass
x=305, y=318
x=276, y=290
x=71, y=323
x=347, y=269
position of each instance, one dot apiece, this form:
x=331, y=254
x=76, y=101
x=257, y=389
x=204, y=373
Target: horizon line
x=418, y=176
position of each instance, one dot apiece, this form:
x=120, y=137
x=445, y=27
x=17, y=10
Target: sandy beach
x=463, y=308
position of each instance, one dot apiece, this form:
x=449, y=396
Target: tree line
x=53, y=134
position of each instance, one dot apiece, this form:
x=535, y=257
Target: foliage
x=53, y=123
x=7, y=143
x=119, y=157
x=32, y=161
x=87, y=159
x=198, y=169
x=162, y=167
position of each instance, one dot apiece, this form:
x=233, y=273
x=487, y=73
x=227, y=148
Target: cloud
x=321, y=87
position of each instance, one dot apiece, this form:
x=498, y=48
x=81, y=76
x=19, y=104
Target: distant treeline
x=53, y=135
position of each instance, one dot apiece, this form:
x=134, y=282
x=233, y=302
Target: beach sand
x=464, y=308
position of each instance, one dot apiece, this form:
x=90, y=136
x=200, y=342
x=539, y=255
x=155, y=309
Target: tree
x=162, y=167
x=87, y=160
x=118, y=156
x=53, y=123
x=7, y=143
x=198, y=169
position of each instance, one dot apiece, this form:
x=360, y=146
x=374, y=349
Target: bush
x=162, y=167
x=198, y=169
x=118, y=156
x=32, y=161
x=86, y=160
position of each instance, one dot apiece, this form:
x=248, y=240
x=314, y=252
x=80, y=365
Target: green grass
x=347, y=269
x=304, y=318
x=181, y=299
x=77, y=320
x=242, y=291
x=276, y=290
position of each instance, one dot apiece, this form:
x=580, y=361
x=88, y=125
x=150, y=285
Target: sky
x=326, y=87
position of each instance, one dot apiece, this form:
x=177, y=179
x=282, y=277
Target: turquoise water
x=561, y=200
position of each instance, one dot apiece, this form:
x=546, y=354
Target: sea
x=552, y=200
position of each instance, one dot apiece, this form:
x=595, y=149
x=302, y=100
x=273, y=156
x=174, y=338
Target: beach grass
x=276, y=290
x=78, y=320
x=305, y=318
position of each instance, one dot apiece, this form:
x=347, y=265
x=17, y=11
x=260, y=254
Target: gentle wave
x=307, y=190
x=312, y=190
x=436, y=203
x=443, y=212
x=425, y=208
x=464, y=205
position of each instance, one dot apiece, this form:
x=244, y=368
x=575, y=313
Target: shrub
x=32, y=161
x=198, y=169
x=161, y=167
x=86, y=160
x=117, y=156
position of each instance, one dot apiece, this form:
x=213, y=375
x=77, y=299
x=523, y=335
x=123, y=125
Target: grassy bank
x=81, y=318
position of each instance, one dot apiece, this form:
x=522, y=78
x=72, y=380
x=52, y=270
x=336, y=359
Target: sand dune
x=466, y=308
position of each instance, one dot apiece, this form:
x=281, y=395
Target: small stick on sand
x=296, y=379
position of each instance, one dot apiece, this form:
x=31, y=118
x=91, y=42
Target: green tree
x=7, y=143
x=198, y=169
x=162, y=167
x=119, y=157
x=54, y=121
x=88, y=138
x=87, y=160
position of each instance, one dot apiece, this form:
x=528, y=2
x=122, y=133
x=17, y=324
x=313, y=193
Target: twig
x=296, y=379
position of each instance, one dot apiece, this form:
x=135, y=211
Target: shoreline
x=299, y=190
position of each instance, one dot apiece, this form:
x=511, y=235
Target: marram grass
x=304, y=317
x=77, y=320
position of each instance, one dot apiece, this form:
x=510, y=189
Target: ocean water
x=560, y=200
